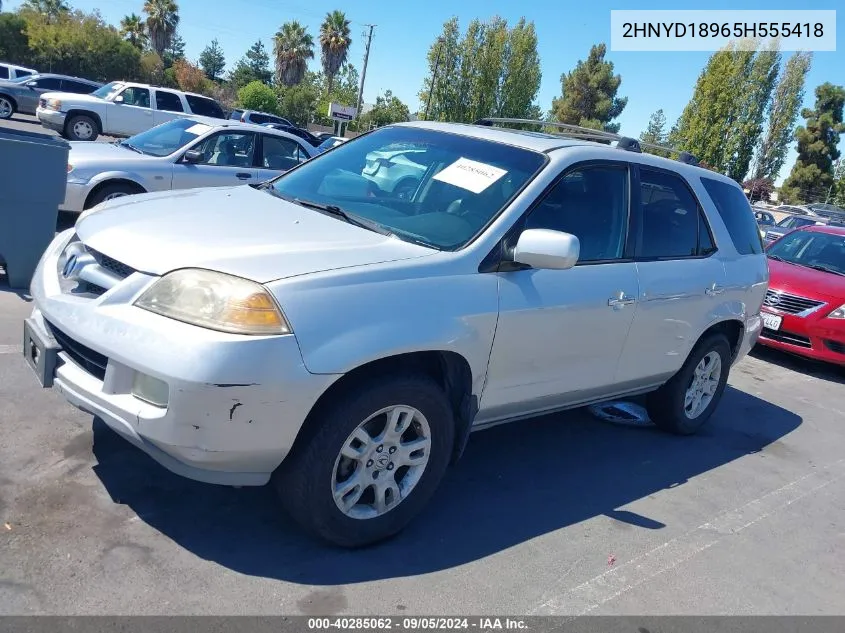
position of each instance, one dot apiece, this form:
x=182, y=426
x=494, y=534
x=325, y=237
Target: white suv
x=120, y=108
x=342, y=339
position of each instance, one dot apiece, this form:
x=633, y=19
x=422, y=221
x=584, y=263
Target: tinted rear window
x=4, y=72
x=736, y=213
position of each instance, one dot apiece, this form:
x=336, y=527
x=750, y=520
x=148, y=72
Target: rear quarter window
x=205, y=107
x=736, y=213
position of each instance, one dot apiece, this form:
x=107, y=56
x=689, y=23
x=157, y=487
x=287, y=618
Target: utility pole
x=369, y=37
x=433, y=76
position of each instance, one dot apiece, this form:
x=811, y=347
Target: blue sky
x=565, y=28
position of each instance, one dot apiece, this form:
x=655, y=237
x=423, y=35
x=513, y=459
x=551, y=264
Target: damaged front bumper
x=231, y=405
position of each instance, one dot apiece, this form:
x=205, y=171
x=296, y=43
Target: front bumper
x=814, y=336
x=235, y=404
x=51, y=119
x=76, y=193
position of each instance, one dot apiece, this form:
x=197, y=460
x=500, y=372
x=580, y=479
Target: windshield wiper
x=825, y=269
x=777, y=258
x=336, y=211
x=130, y=146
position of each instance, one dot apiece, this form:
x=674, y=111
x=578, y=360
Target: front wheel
x=688, y=399
x=82, y=128
x=370, y=461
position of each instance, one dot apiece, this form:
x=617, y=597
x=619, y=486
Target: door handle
x=714, y=289
x=243, y=176
x=621, y=299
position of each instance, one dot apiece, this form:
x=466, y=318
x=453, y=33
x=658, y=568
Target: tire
x=666, y=406
x=109, y=192
x=308, y=477
x=7, y=107
x=81, y=127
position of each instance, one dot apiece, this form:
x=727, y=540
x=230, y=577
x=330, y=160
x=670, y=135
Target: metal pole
x=364, y=72
x=433, y=76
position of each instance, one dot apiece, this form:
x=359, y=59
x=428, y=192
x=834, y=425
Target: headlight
x=69, y=168
x=839, y=313
x=54, y=104
x=216, y=301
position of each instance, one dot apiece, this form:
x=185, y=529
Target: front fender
x=146, y=182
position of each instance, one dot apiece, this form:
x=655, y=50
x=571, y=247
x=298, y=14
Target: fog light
x=149, y=389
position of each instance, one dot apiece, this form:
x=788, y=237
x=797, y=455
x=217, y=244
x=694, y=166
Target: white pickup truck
x=119, y=108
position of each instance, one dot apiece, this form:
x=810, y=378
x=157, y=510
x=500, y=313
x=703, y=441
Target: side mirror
x=547, y=249
x=118, y=99
x=192, y=156
x=32, y=84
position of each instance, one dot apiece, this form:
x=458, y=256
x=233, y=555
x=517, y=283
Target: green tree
x=838, y=193
x=334, y=44
x=212, y=60
x=14, y=43
x=492, y=70
x=344, y=91
x=254, y=66
x=175, y=51
x=811, y=177
x=387, y=109
x=783, y=113
x=258, y=96
x=752, y=100
x=655, y=133
x=132, y=27
x=588, y=94
x=293, y=46
x=296, y=103
x=162, y=21
x=152, y=68
x=51, y=9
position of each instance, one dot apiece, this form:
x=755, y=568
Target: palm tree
x=292, y=48
x=162, y=20
x=132, y=27
x=51, y=8
x=334, y=42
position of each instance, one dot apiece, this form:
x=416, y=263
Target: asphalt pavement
x=562, y=514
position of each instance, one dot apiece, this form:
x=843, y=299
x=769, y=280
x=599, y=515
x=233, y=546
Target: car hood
x=237, y=230
x=104, y=155
x=806, y=282
x=71, y=96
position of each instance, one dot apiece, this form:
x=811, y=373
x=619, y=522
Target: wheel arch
x=732, y=329
x=81, y=111
x=448, y=369
x=112, y=180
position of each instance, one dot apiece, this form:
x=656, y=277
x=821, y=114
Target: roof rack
x=568, y=130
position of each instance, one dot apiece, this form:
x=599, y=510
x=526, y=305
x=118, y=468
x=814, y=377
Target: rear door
x=228, y=159
x=681, y=282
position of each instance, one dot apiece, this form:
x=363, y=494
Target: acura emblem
x=70, y=266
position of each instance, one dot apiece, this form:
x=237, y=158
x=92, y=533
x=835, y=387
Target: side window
x=281, y=153
x=592, y=204
x=736, y=213
x=49, y=83
x=228, y=149
x=136, y=96
x=22, y=73
x=705, y=239
x=77, y=87
x=670, y=217
x=258, y=119
x=4, y=72
x=204, y=107
x=168, y=101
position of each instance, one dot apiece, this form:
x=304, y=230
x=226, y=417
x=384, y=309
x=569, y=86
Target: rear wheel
x=688, y=399
x=82, y=128
x=372, y=460
x=7, y=107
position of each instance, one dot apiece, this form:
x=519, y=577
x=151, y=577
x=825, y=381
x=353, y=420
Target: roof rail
x=568, y=130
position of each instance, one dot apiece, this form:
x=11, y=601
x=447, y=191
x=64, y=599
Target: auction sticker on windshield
x=470, y=175
x=198, y=129
x=771, y=321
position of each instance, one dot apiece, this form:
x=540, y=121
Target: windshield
x=791, y=223
x=166, y=138
x=812, y=249
x=426, y=186
x=104, y=92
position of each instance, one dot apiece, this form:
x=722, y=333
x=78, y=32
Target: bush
x=258, y=96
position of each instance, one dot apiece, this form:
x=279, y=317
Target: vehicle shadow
x=515, y=482
x=22, y=293
x=806, y=366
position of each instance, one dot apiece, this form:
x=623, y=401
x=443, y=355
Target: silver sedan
x=181, y=154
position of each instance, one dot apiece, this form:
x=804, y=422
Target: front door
x=227, y=160
x=681, y=283
x=561, y=332
x=133, y=115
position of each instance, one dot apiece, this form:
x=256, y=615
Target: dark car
x=305, y=135
x=790, y=223
x=22, y=95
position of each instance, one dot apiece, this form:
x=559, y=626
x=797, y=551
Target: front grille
x=791, y=304
x=118, y=268
x=835, y=346
x=786, y=337
x=92, y=362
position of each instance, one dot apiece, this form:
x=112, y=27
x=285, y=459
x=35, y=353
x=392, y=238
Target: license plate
x=771, y=321
x=40, y=354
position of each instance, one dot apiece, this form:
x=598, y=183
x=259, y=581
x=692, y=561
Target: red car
x=804, y=309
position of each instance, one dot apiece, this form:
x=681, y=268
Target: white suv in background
x=342, y=335
x=119, y=108
x=10, y=72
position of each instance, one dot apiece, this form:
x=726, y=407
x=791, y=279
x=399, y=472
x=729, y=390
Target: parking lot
x=562, y=514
